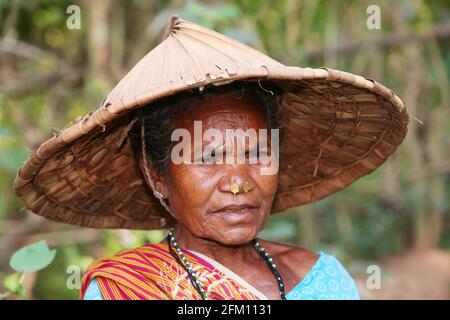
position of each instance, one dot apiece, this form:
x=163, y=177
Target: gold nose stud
x=234, y=188
x=247, y=187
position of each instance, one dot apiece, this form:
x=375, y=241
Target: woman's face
x=200, y=195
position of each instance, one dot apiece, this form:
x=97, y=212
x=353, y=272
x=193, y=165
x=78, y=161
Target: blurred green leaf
x=32, y=258
x=12, y=282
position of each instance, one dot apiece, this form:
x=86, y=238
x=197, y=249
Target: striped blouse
x=326, y=280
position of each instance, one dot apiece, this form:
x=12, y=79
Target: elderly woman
x=165, y=130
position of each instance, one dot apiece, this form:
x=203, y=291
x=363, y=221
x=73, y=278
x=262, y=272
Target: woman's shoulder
x=296, y=257
x=328, y=279
x=130, y=263
x=300, y=258
x=294, y=254
x=320, y=275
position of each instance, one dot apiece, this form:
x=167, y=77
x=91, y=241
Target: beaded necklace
x=176, y=252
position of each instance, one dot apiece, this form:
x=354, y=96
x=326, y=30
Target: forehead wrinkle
x=224, y=119
x=230, y=120
x=225, y=107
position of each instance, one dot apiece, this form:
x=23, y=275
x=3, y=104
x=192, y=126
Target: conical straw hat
x=339, y=127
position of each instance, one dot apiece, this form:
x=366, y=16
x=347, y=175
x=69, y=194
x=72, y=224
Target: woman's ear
x=154, y=178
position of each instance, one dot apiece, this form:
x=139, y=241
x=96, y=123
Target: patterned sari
x=150, y=272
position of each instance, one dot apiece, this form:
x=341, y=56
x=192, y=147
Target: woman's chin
x=237, y=236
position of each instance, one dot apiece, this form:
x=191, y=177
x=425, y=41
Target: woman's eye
x=206, y=159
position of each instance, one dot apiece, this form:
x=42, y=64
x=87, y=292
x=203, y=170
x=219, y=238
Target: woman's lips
x=237, y=213
x=235, y=207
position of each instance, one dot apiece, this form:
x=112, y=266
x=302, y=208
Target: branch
x=441, y=31
x=25, y=50
x=32, y=83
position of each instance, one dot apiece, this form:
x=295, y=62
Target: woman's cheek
x=191, y=187
x=268, y=184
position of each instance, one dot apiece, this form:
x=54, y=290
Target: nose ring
x=234, y=188
x=247, y=187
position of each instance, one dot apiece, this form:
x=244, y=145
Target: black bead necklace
x=176, y=252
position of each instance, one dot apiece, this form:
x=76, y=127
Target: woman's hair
x=158, y=116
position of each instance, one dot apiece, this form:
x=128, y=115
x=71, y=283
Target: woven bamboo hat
x=339, y=128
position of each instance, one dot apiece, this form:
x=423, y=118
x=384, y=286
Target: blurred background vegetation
x=398, y=217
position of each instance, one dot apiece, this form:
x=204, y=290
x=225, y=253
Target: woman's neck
x=224, y=254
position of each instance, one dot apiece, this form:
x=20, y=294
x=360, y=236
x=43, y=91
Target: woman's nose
x=236, y=183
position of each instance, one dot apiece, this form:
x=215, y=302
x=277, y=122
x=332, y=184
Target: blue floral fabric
x=93, y=291
x=327, y=280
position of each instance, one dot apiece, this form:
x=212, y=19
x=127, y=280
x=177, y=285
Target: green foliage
x=281, y=229
x=13, y=283
x=68, y=255
x=33, y=257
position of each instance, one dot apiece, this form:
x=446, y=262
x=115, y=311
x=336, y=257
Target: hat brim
x=339, y=127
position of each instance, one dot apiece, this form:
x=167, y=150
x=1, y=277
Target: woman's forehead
x=224, y=111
